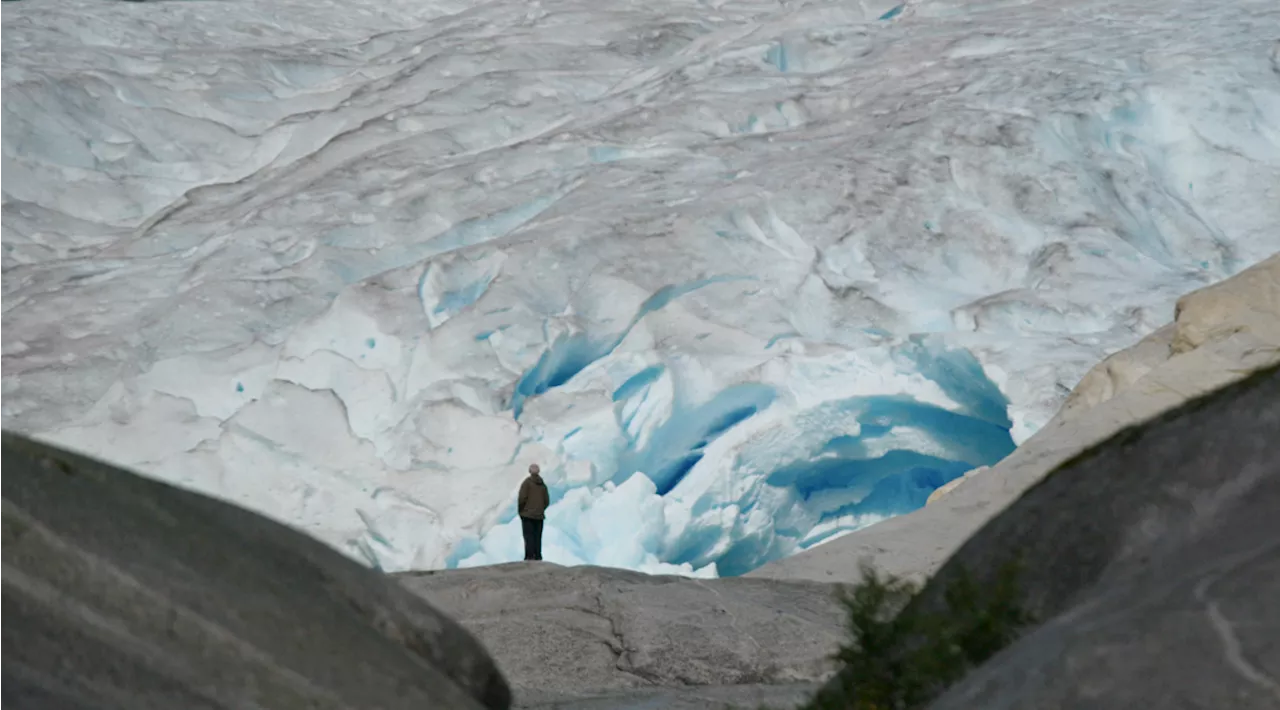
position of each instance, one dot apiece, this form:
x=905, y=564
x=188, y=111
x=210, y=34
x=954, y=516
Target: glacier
x=741, y=275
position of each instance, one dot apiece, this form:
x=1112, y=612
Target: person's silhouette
x=532, y=504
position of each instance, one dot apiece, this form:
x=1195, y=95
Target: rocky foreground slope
x=123, y=592
x=593, y=637
x=1152, y=563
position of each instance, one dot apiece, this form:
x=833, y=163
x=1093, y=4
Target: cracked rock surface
x=1155, y=559
x=603, y=637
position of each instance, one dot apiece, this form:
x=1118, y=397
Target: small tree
x=900, y=657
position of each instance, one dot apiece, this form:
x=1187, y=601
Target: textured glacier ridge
x=740, y=275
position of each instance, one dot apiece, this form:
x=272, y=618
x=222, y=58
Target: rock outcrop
x=1154, y=559
x=123, y=592
x=707, y=697
x=588, y=637
x=1220, y=334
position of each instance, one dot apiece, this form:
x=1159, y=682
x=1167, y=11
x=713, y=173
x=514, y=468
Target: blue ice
x=571, y=354
x=678, y=444
x=566, y=357
x=892, y=13
x=637, y=382
x=453, y=302
x=870, y=472
x=777, y=56
x=961, y=377
x=604, y=154
x=780, y=336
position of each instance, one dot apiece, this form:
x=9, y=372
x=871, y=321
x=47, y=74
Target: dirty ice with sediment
x=741, y=276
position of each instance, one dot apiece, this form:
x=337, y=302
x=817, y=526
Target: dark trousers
x=532, y=529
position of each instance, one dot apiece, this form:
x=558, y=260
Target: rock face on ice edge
x=1221, y=333
x=128, y=593
x=1153, y=563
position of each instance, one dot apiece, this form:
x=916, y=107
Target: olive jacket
x=534, y=498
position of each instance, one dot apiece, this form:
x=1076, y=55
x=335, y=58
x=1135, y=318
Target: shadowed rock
x=594, y=637
x=1153, y=560
x=123, y=592
x=1156, y=559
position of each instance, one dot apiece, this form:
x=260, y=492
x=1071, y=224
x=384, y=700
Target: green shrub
x=900, y=656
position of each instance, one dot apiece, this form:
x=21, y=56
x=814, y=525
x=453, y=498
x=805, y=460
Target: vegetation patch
x=901, y=655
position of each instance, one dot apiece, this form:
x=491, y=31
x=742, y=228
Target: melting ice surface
x=741, y=276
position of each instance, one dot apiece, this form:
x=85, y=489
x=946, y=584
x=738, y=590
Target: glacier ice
x=741, y=276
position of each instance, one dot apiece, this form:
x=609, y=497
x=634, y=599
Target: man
x=532, y=507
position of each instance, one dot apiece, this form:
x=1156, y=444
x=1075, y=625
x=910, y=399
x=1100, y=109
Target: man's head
x=534, y=470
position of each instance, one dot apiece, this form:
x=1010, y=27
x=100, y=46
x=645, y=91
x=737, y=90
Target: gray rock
x=723, y=697
x=1153, y=560
x=1156, y=558
x=123, y=592
x=561, y=634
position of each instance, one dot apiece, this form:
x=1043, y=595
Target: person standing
x=532, y=504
